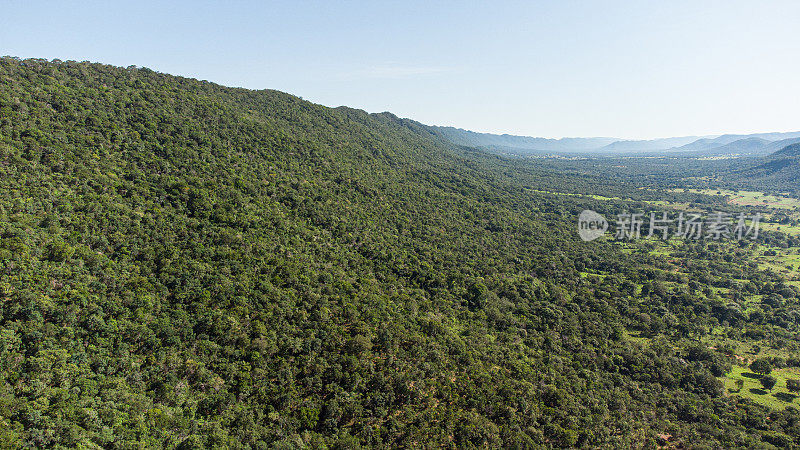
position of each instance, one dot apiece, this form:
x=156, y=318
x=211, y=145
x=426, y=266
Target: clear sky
x=632, y=69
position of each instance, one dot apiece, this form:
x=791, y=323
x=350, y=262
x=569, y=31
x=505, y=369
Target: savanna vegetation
x=185, y=265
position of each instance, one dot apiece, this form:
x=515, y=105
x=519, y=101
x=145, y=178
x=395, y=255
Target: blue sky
x=632, y=69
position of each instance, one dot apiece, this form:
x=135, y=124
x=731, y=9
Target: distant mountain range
x=507, y=141
x=758, y=144
x=652, y=145
x=745, y=145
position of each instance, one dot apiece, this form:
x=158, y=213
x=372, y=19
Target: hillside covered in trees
x=778, y=171
x=187, y=265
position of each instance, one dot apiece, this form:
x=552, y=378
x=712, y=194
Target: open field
x=778, y=398
x=788, y=229
x=749, y=198
x=786, y=262
x=592, y=196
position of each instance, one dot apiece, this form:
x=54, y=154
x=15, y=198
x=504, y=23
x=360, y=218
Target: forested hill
x=779, y=171
x=188, y=265
x=788, y=151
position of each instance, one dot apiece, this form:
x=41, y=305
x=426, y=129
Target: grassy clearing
x=778, y=398
x=664, y=248
x=785, y=261
x=788, y=229
x=601, y=276
x=749, y=198
x=635, y=337
x=568, y=194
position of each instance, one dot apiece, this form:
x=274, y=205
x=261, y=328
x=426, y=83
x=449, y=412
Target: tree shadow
x=758, y=391
x=784, y=397
x=751, y=375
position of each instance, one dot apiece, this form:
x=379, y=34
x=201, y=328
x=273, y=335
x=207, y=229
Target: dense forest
x=186, y=265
